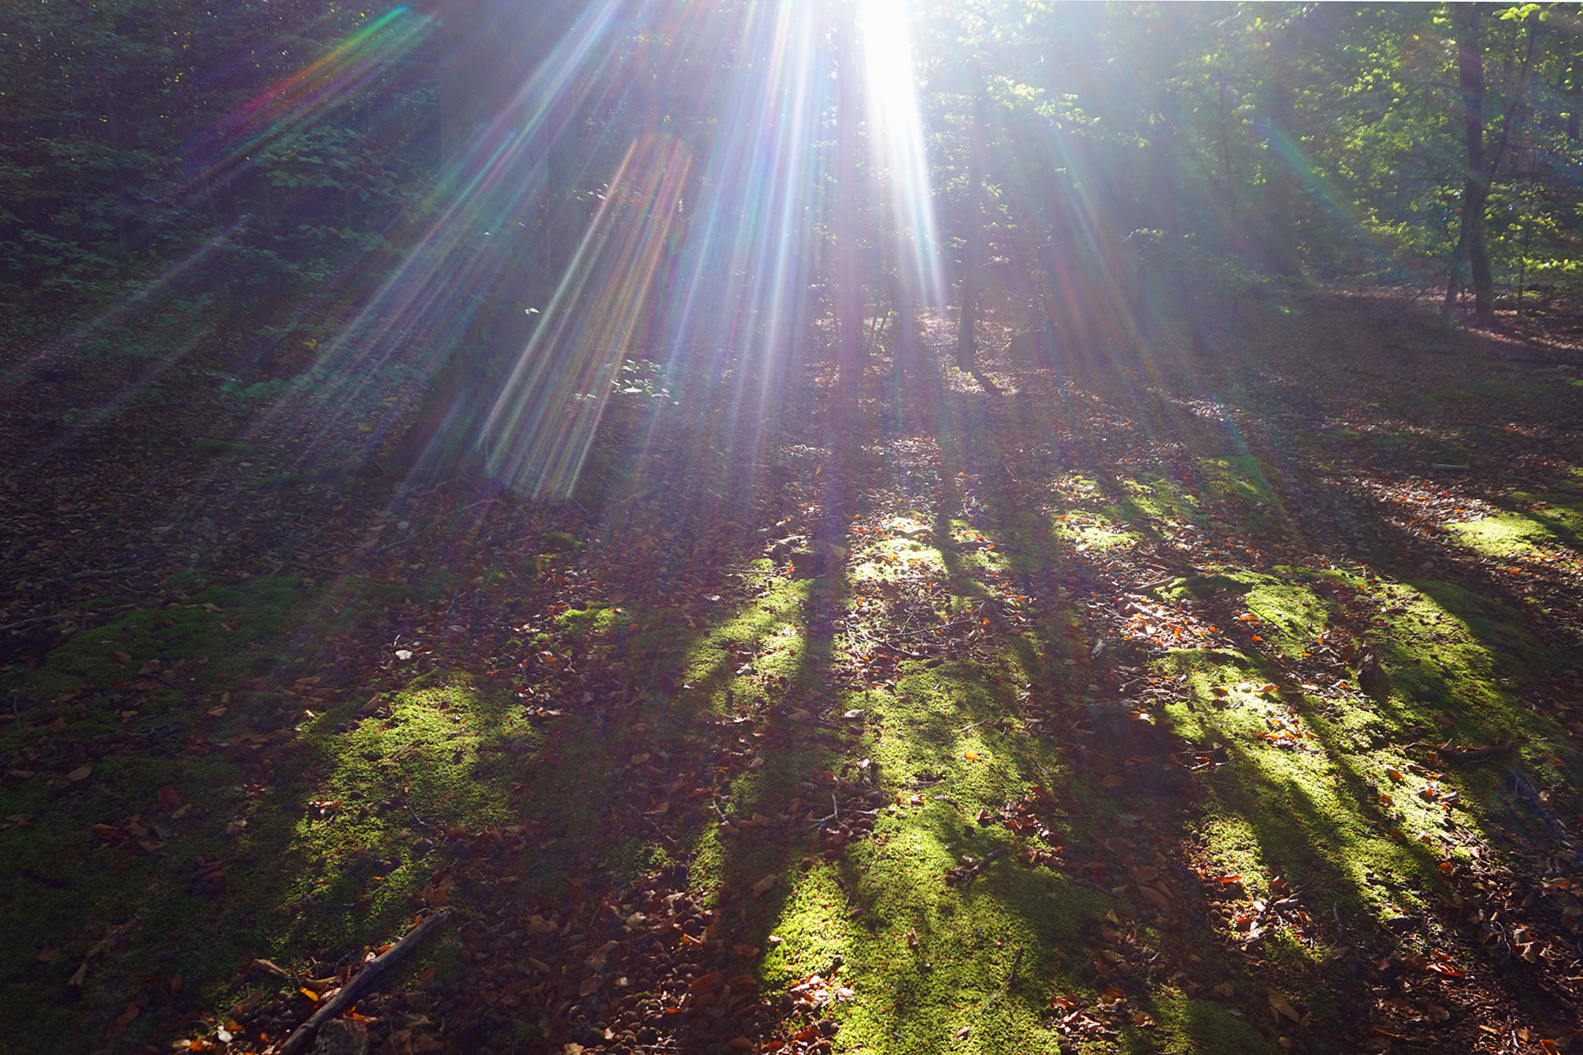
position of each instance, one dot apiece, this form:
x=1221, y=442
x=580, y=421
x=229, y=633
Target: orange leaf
x=705, y=983
x=1281, y=1006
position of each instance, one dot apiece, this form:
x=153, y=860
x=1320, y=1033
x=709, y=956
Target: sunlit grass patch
x=1157, y=497
x=927, y=956
x=1502, y=535
x=1240, y=478
x=1092, y=531
x=1329, y=786
x=1204, y=1026
x=896, y=558
x=1547, y=523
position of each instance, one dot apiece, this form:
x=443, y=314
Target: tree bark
x=972, y=239
x=1476, y=184
x=1280, y=185
x=847, y=300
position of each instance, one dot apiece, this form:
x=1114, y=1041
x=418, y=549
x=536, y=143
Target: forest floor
x=1186, y=704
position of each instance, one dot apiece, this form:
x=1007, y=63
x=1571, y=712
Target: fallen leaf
x=707, y=982
x=80, y=773
x=169, y=798
x=764, y=885
x=589, y=985
x=1279, y=1005
x=962, y=1033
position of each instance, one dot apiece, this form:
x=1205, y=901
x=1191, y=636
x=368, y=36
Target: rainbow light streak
x=547, y=99
x=745, y=275
x=429, y=299
x=313, y=91
x=896, y=142
x=539, y=430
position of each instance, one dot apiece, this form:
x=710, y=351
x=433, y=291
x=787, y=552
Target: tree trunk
x=1476, y=185
x=972, y=240
x=847, y=300
x=1280, y=185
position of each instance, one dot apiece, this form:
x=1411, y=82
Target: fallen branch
x=361, y=983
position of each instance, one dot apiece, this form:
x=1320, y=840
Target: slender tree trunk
x=1280, y=185
x=847, y=297
x=972, y=241
x=1476, y=185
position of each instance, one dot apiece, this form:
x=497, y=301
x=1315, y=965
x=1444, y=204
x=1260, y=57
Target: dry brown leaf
x=763, y=886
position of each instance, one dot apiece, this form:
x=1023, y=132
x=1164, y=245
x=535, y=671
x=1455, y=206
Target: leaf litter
x=1160, y=692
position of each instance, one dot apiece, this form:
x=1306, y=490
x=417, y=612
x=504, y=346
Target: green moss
x=1092, y=531
x=1240, y=478
x=1207, y=1026
x=1503, y=535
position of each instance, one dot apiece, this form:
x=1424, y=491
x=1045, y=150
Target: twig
x=361, y=983
x=1011, y=976
x=662, y=833
x=425, y=824
x=928, y=629
x=97, y=574
x=39, y=619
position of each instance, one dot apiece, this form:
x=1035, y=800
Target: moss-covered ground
x=1110, y=717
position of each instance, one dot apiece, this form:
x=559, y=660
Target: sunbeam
x=896, y=141
x=540, y=428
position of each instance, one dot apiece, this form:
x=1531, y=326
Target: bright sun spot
x=896, y=140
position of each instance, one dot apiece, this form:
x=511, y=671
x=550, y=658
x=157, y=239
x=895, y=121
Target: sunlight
x=896, y=142
x=744, y=286
x=541, y=427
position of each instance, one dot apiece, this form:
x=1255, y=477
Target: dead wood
x=362, y=983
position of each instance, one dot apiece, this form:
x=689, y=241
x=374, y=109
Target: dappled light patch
x=1082, y=731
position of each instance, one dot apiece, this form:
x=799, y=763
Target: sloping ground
x=1182, y=704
